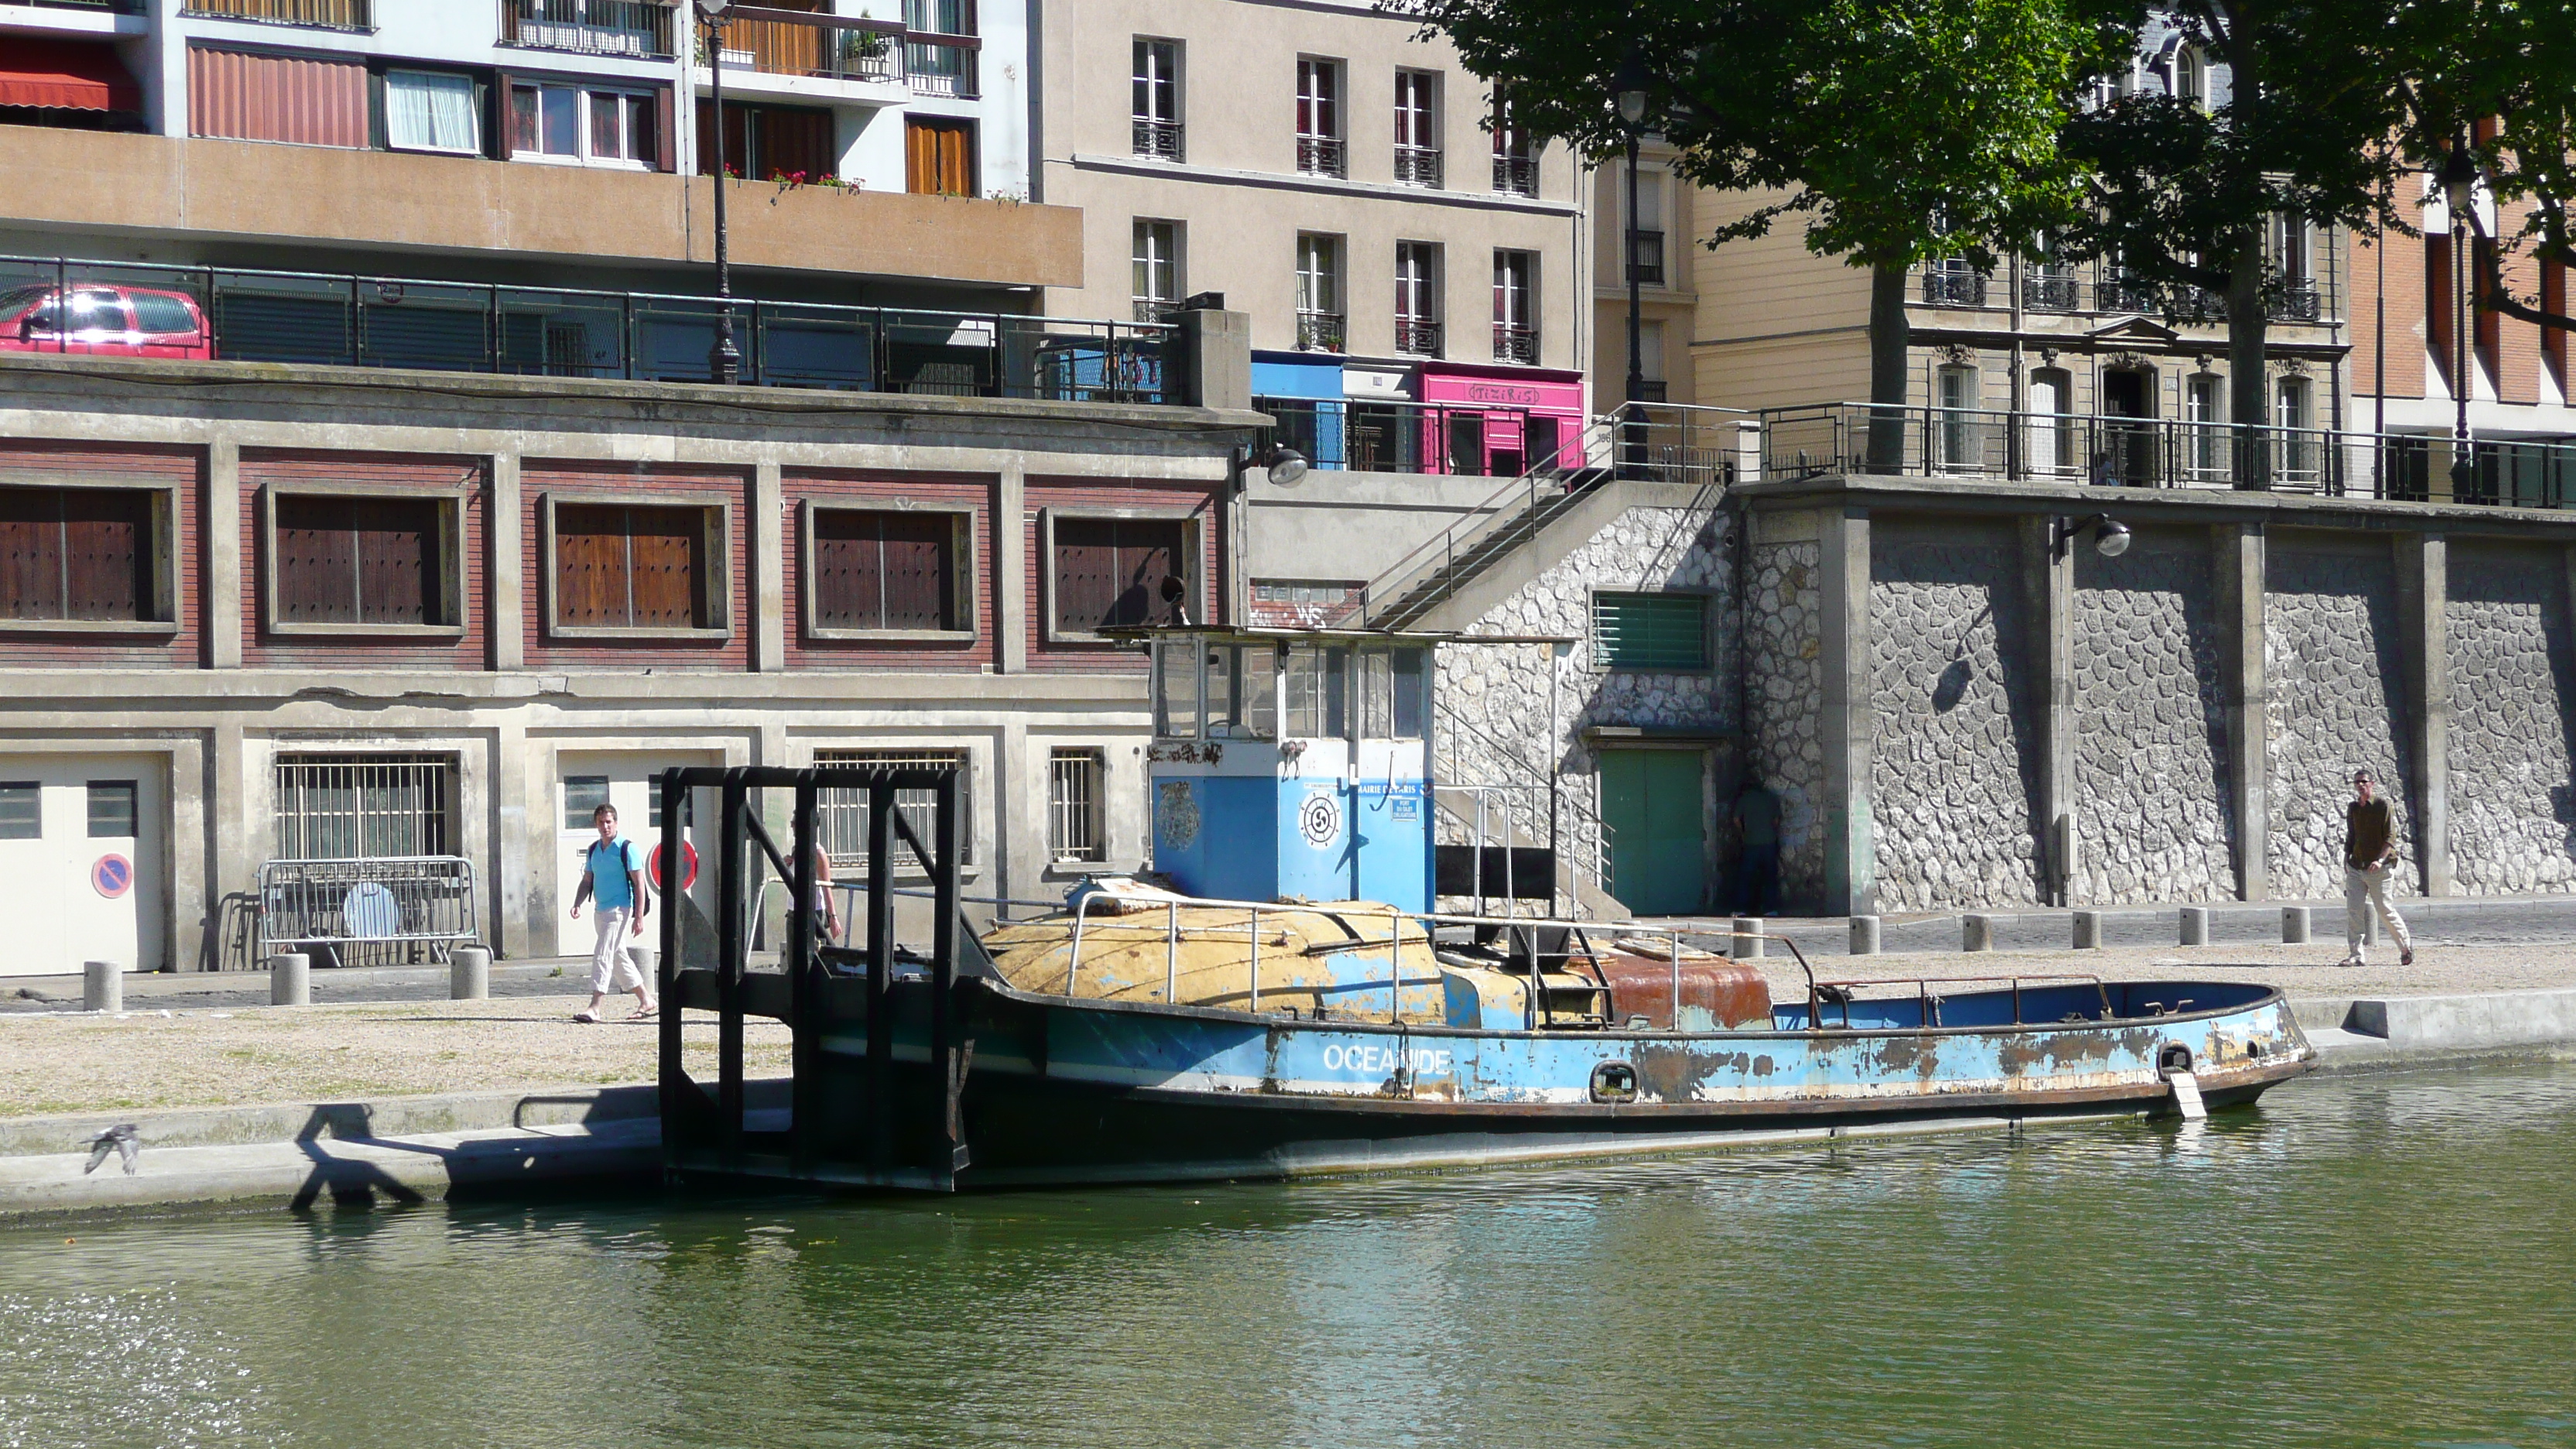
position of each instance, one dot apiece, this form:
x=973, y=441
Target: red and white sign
x=688, y=861
x=111, y=875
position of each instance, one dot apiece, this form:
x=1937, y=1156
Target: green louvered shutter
x=1650, y=631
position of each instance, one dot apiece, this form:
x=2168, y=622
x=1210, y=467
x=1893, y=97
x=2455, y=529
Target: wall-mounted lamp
x=1285, y=466
x=2110, y=535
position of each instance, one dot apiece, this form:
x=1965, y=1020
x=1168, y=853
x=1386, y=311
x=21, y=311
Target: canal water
x=2371, y=1261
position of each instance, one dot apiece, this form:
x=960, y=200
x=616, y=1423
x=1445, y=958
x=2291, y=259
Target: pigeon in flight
x=118, y=1139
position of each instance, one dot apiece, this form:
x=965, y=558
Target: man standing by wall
x=2369, y=845
x=613, y=873
x=1757, y=816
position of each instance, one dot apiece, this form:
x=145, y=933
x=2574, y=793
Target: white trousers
x=613, y=966
x=2362, y=891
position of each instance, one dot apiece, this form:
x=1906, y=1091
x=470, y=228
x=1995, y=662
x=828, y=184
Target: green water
x=2362, y=1261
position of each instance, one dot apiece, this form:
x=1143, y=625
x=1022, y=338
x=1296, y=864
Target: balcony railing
x=1149, y=309
x=1516, y=175
x=943, y=65
x=1158, y=139
x=1320, y=331
x=2297, y=304
x=1953, y=287
x=1322, y=156
x=357, y=321
x=329, y=14
x=2111, y=452
x=793, y=42
x=2048, y=290
x=1417, y=337
x=591, y=27
x=1412, y=437
x=110, y=7
x=1515, y=344
x=1417, y=166
x=1646, y=256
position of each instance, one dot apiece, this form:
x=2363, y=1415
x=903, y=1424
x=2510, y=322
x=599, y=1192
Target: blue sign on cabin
x=1293, y=764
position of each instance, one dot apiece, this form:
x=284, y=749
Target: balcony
x=325, y=14
x=1953, y=287
x=1646, y=257
x=1516, y=175
x=1515, y=344
x=204, y=190
x=1160, y=140
x=1417, y=166
x=827, y=47
x=2045, y=289
x=1320, y=331
x=942, y=65
x=1154, y=310
x=1417, y=337
x=1322, y=156
x=638, y=28
x=2299, y=303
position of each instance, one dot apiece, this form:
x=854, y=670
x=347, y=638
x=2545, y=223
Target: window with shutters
x=1667, y=632
x=85, y=558
x=637, y=568
x=939, y=156
x=887, y=572
x=1105, y=572
x=362, y=563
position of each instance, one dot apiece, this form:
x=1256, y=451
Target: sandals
x=586, y=1017
x=647, y=1014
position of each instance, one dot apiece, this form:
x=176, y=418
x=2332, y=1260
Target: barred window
x=842, y=815
x=1076, y=781
x=364, y=807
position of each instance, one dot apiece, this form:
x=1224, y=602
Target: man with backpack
x=613, y=875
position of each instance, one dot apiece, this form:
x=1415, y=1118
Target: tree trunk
x=1888, y=336
x=2247, y=327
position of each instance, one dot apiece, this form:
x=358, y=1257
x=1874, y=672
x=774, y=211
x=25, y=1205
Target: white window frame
x=1147, y=234
x=1319, y=274
x=584, y=93
x=1159, y=74
x=1084, y=812
x=473, y=113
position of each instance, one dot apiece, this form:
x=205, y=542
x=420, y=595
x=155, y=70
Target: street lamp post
x=1629, y=93
x=2459, y=193
x=724, y=360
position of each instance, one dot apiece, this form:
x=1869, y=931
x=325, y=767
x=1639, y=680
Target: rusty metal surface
x=1715, y=991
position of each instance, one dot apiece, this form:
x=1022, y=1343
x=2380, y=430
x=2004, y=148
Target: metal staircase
x=1510, y=518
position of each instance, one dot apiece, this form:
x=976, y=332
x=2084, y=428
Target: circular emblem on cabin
x=1320, y=820
x=112, y=876
x=1176, y=815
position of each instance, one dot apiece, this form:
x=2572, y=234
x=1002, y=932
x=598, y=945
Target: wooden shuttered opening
x=359, y=561
x=763, y=143
x=1110, y=571
x=885, y=570
x=247, y=96
x=939, y=156
x=75, y=553
x=628, y=567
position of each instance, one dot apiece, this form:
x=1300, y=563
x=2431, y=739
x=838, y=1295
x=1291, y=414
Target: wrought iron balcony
x=1158, y=139
x=1646, y=257
x=1149, y=309
x=1515, y=344
x=1322, y=156
x=1516, y=175
x=2046, y=290
x=2297, y=304
x=1417, y=336
x=1953, y=287
x=1417, y=166
x=1320, y=331
x=2124, y=293
x=591, y=27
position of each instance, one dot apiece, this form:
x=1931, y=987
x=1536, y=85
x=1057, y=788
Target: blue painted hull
x=1058, y=1090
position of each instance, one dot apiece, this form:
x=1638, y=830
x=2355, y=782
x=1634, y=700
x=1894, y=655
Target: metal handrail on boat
x=1929, y=1003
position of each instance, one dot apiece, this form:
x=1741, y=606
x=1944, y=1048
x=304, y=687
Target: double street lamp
x=2459, y=195
x=724, y=360
x=1628, y=93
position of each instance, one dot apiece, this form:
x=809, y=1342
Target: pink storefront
x=1500, y=421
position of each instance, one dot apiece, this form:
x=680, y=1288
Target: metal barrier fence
x=385, y=912
x=349, y=320
x=1412, y=437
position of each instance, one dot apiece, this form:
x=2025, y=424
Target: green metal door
x=1650, y=809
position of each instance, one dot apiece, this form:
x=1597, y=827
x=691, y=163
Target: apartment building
x=1408, y=256
x=1656, y=241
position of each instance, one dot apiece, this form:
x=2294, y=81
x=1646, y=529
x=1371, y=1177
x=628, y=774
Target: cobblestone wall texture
x=1958, y=741
x=2150, y=751
x=2513, y=678
x=1785, y=692
x=2334, y=671
x=1494, y=725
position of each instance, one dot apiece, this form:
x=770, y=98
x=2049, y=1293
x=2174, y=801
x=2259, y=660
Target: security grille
x=1650, y=631
x=842, y=815
x=1074, y=781
x=363, y=807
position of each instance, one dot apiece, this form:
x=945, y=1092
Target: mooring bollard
x=644, y=965
x=290, y=979
x=1748, y=938
x=102, y=986
x=2195, y=925
x=1864, y=935
x=2294, y=925
x=469, y=974
x=1976, y=933
x=2088, y=930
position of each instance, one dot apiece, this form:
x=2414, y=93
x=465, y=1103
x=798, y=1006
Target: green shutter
x=1650, y=631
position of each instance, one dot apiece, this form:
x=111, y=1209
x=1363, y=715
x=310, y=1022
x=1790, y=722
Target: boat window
x=1318, y=691
x=1410, y=696
x=1176, y=688
x=1220, y=688
x=1377, y=695
x=1256, y=693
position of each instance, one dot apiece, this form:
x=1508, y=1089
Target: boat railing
x=1823, y=993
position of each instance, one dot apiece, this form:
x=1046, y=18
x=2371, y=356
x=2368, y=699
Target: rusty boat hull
x=1052, y=1090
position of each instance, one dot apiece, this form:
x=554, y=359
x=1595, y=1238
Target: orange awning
x=75, y=75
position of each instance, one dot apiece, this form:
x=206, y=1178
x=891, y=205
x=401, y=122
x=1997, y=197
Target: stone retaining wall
x=2512, y=679
x=1785, y=699
x=2150, y=756
x=2335, y=672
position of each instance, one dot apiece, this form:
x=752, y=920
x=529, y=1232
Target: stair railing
x=1489, y=523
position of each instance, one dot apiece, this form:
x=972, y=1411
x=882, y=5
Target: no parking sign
x=688, y=866
x=112, y=876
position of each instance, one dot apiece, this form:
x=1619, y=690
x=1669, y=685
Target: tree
x=1900, y=131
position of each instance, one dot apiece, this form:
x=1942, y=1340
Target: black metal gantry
x=703, y=1135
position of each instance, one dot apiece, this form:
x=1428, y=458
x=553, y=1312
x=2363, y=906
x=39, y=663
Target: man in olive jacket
x=2369, y=846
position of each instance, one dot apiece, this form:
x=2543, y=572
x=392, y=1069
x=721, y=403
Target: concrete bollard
x=469, y=974
x=1864, y=935
x=290, y=979
x=644, y=956
x=1748, y=938
x=2294, y=925
x=102, y=986
x=1976, y=933
x=2370, y=928
x=2195, y=925
x=2088, y=930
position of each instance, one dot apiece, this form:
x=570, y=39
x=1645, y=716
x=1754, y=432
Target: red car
x=103, y=320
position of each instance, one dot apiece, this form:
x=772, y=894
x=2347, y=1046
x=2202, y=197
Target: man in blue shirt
x=613, y=874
